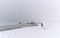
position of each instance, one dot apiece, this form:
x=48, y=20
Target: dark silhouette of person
x=41, y=24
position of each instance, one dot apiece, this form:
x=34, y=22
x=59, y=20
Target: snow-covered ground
x=52, y=31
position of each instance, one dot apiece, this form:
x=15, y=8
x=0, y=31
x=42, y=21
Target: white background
x=48, y=11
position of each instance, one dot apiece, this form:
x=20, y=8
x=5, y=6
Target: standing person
x=41, y=24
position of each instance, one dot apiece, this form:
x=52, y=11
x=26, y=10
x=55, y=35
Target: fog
x=14, y=11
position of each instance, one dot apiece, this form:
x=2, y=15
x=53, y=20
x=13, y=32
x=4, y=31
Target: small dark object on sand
x=32, y=22
x=20, y=23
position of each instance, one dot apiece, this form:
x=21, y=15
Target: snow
x=52, y=31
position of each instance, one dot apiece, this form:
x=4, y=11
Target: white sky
x=27, y=10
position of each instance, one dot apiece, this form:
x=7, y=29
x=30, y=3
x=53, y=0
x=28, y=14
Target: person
x=41, y=24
